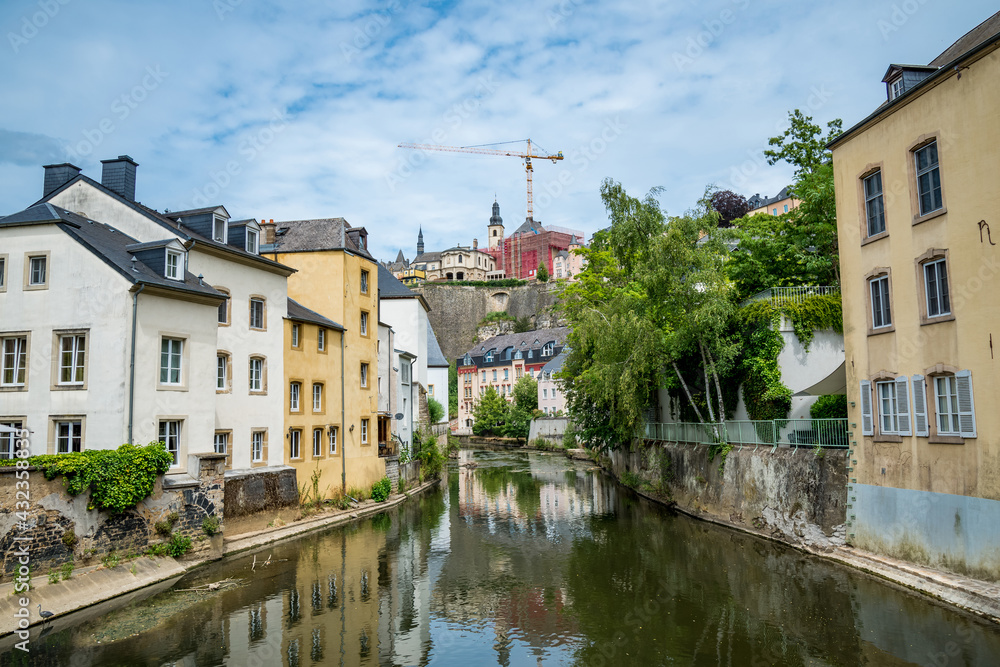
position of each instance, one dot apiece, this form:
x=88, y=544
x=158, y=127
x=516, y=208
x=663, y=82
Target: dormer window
x=252, y=245
x=219, y=229
x=548, y=349
x=175, y=265
x=896, y=88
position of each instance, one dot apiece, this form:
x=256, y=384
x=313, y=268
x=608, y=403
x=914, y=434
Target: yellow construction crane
x=481, y=150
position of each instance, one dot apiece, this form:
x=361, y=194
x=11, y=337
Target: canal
x=525, y=559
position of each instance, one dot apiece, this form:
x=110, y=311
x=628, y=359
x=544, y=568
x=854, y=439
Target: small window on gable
x=896, y=88
x=252, y=245
x=321, y=339
x=219, y=229
x=175, y=265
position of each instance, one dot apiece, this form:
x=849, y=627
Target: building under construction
x=531, y=244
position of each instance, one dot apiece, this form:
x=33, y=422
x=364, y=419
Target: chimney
x=475, y=244
x=58, y=175
x=268, y=227
x=118, y=175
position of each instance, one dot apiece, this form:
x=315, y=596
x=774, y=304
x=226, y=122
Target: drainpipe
x=343, y=423
x=131, y=369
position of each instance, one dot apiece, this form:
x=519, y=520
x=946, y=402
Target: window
x=364, y=375
x=774, y=211
x=175, y=265
x=221, y=372
x=946, y=394
x=294, y=389
x=545, y=393
x=38, y=271
x=170, y=435
x=257, y=446
x=484, y=376
x=489, y=356
x=548, y=349
x=13, y=361
x=69, y=436
x=219, y=229
x=294, y=444
x=936, y=288
x=257, y=313
x=72, y=357
x=364, y=431
x=333, y=440
x=251, y=241
x=317, y=397
x=3, y=273
x=171, y=350
x=224, y=307
x=881, y=312
x=295, y=335
x=8, y=439
x=321, y=339
x=874, y=205
x=222, y=443
x=896, y=88
x=786, y=208
x=888, y=407
x=256, y=374
x=404, y=369
x=506, y=374
x=494, y=375
x=317, y=443
x=364, y=282
x=364, y=323
x=430, y=390
x=928, y=178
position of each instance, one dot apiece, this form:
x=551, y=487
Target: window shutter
x=966, y=405
x=867, y=428
x=919, y=406
x=903, y=404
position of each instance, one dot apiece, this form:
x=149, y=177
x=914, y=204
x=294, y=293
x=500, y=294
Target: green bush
x=69, y=538
x=211, y=525
x=431, y=458
x=831, y=406
x=67, y=570
x=381, y=490
x=178, y=545
x=631, y=479
x=117, y=478
x=435, y=409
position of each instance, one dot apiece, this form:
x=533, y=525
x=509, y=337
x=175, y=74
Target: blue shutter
x=919, y=406
x=867, y=427
x=966, y=405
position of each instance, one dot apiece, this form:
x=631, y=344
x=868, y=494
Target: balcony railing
x=764, y=433
x=796, y=294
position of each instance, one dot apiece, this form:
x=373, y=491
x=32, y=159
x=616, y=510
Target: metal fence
x=796, y=294
x=767, y=433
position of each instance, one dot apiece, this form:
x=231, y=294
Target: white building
x=437, y=372
x=551, y=399
x=247, y=372
x=105, y=340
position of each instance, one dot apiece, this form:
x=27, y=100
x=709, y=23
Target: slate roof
x=528, y=338
x=529, y=226
x=299, y=313
x=195, y=211
x=427, y=257
x=389, y=287
x=110, y=245
x=435, y=357
x=316, y=234
x=759, y=202
x=177, y=230
x=557, y=362
x=970, y=40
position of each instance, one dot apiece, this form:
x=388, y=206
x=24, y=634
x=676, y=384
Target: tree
x=452, y=391
x=435, y=409
x=543, y=273
x=729, y=206
x=522, y=410
x=803, y=145
x=490, y=413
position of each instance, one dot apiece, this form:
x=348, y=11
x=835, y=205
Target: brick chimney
x=58, y=175
x=118, y=175
x=268, y=226
x=475, y=244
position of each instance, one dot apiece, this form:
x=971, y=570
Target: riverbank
x=100, y=584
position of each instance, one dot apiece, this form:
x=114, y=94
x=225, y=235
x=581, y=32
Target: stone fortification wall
x=792, y=494
x=457, y=310
x=58, y=528
x=260, y=489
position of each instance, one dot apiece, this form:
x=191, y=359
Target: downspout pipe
x=131, y=368
x=343, y=423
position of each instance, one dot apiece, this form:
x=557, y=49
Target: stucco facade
x=916, y=201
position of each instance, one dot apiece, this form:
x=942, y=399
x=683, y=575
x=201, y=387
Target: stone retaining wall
x=260, y=489
x=52, y=514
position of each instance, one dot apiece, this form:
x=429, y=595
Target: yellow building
x=917, y=196
x=336, y=276
x=313, y=417
x=411, y=276
x=781, y=203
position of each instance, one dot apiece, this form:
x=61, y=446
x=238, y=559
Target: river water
x=526, y=559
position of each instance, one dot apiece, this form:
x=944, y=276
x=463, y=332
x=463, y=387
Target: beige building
x=917, y=198
x=781, y=203
x=458, y=263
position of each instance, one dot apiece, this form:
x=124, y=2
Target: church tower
x=420, y=241
x=495, y=229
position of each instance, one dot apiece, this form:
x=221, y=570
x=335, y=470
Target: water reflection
x=526, y=559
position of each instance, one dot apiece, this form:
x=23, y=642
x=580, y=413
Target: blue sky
x=294, y=110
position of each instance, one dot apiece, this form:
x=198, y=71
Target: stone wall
x=793, y=494
x=548, y=428
x=260, y=489
x=457, y=310
x=59, y=528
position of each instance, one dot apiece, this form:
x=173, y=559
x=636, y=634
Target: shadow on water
x=519, y=559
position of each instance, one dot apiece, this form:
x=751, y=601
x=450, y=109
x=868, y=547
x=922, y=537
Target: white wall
x=408, y=320
x=439, y=378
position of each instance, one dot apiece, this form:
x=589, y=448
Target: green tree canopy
x=490, y=413
x=543, y=273
x=525, y=393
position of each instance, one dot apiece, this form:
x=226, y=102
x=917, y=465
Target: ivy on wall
x=117, y=478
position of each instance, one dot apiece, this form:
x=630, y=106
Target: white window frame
x=364, y=375
x=364, y=431
x=68, y=435
x=77, y=359
x=948, y=399
x=930, y=171
x=221, y=438
x=256, y=446
x=252, y=241
x=332, y=440
x=13, y=361
x=3, y=273
x=317, y=443
x=295, y=444
x=937, y=268
x=38, y=267
x=548, y=349
x=8, y=440
x=321, y=340
x=294, y=396
x=174, y=271
x=166, y=371
x=263, y=313
x=296, y=335
x=219, y=224
x=883, y=299
x=171, y=438
x=259, y=376
x=221, y=372
x=317, y=396
x=874, y=202
x=364, y=282
x=364, y=323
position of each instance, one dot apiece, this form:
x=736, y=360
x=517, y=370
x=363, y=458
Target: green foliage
x=570, y=437
x=490, y=413
x=522, y=324
x=69, y=538
x=542, y=275
x=158, y=549
x=452, y=390
x=497, y=316
x=381, y=490
x=178, y=545
x=117, y=478
x=721, y=449
x=111, y=560
x=210, y=525
x=520, y=412
x=358, y=493
x=431, y=458
x=765, y=395
x=631, y=479
x=53, y=576
x=66, y=570
x=802, y=144
x=435, y=409
x=401, y=486
x=831, y=406
x=164, y=528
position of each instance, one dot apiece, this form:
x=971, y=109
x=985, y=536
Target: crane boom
x=526, y=156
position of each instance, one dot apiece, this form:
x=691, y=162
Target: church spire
x=420, y=241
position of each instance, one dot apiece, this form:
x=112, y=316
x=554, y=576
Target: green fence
x=768, y=433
